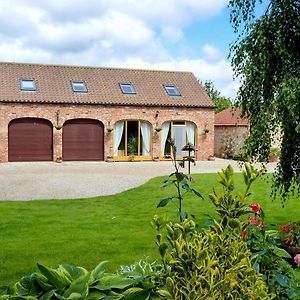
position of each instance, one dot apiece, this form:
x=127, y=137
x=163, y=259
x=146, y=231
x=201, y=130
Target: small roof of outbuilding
x=53, y=85
x=230, y=117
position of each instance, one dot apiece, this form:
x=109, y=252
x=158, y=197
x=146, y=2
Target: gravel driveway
x=48, y=180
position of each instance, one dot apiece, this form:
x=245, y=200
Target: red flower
x=244, y=233
x=286, y=228
x=255, y=207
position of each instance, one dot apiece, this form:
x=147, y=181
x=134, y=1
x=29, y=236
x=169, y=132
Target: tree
x=219, y=101
x=266, y=58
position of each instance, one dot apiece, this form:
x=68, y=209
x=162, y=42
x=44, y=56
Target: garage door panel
x=83, y=139
x=30, y=139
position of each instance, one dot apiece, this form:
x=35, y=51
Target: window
x=79, y=87
x=127, y=88
x=172, y=90
x=28, y=85
x=132, y=138
x=182, y=132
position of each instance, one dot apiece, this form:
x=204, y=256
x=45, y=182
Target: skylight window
x=127, y=88
x=79, y=87
x=28, y=85
x=172, y=90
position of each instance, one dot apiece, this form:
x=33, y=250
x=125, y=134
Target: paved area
x=49, y=180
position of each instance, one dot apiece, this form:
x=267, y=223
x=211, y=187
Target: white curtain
x=118, y=132
x=190, y=131
x=146, y=134
x=164, y=134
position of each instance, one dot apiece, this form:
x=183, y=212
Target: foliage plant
x=215, y=263
x=181, y=183
x=290, y=234
x=132, y=145
x=270, y=259
x=139, y=281
x=266, y=60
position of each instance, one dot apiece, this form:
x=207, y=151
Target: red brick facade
x=109, y=115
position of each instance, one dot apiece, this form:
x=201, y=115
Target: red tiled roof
x=54, y=86
x=230, y=117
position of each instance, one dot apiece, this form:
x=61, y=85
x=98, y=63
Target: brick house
x=52, y=112
x=230, y=132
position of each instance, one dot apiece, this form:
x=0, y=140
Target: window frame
x=27, y=89
x=74, y=82
x=123, y=85
x=174, y=87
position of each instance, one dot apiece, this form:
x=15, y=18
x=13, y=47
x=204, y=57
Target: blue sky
x=185, y=35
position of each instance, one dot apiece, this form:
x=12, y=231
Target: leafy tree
x=220, y=102
x=266, y=58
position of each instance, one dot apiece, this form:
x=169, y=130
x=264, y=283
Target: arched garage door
x=83, y=139
x=30, y=139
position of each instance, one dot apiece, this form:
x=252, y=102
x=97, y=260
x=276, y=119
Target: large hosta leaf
x=73, y=272
x=114, y=281
x=58, y=279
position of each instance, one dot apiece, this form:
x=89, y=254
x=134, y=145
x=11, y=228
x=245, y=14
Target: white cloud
x=128, y=33
x=211, y=52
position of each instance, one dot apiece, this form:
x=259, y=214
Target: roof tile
x=54, y=85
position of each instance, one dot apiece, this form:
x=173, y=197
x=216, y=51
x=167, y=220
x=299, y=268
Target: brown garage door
x=30, y=139
x=83, y=140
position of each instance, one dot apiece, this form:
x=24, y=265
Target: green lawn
x=115, y=228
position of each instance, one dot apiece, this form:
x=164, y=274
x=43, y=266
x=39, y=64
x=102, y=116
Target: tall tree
x=219, y=101
x=266, y=58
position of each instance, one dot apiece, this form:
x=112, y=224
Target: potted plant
x=158, y=129
x=206, y=130
x=289, y=237
x=58, y=127
x=274, y=154
x=58, y=159
x=109, y=130
x=132, y=145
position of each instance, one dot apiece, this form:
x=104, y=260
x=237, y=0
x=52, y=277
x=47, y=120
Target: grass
x=115, y=228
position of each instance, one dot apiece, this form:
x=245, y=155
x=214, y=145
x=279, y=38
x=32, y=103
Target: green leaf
x=197, y=193
x=283, y=280
x=114, y=281
x=59, y=280
x=163, y=202
x=99, y=270
x=74, y=272
x=136, y=293
x=167, y=183
x=28, y=286
x=186, y=187
x=47, y=296
x=95, y=295
x=281, y=252
x=79, y=286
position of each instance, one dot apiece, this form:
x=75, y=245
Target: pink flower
x=297, y=259
x=255, y=207
x=255, y=221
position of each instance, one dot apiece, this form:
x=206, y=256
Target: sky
x=179, y=35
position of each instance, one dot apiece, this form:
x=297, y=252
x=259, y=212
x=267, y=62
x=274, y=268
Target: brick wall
x=232, y=137
x=109, y=115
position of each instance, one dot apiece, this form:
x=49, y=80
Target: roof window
x=79, y=87
x=172, y=90
x=28, y=85
x=127, y=88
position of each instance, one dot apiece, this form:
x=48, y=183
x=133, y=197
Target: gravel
x=69, y=180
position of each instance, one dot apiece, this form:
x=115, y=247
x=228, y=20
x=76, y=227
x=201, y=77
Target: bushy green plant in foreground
x=140, y=281
x=215, y=263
